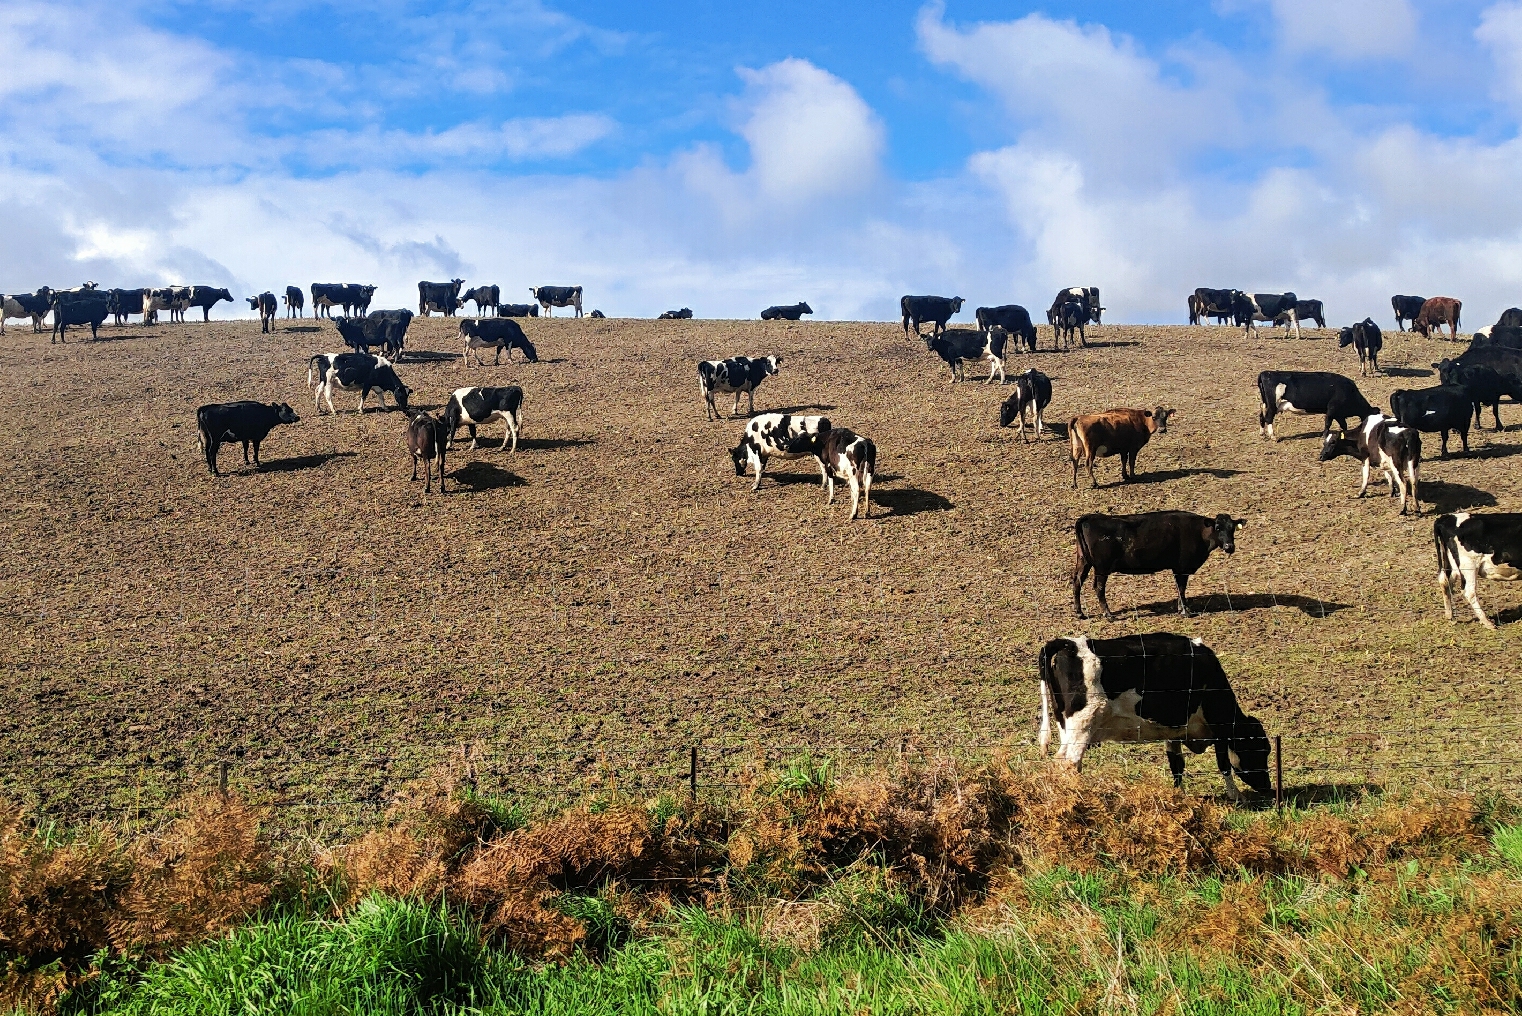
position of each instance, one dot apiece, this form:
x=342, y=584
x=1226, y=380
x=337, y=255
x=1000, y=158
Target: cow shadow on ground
x=477, y=476
x=1308, y=794
x=302, y=328
x=115, y=336
x=1220, y=603
x=426, y=356
x=1163, y=475
x=910, y=501
x=1495, y=451
x=1406, y=372
x=1450, y=497
x=296, y=462
x=1110, y=344
x=1506, y=616
x=554, y=443
x=820, y=408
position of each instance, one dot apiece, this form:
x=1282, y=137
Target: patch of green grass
x=805, y=774
x=1508, y=841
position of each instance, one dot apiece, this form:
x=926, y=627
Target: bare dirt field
x=614, y=592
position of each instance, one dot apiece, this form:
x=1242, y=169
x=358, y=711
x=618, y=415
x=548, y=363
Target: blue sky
x=725, y=157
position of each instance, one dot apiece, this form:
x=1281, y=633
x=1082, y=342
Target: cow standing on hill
x=267, y=307
x=1033, y=391
x=1406, y=309
x=79, y=307
x=1483, y=384
x=483, y=297
x=784, y=436
x=956, y=347
x=740, y=375
x=247, y=422
x=27, y=305
x=1473, y=547
x=1145, y=544
x=1123, y=432
x=439, y=296
x=125, y=302
x=550, y=297
x=495, y=334
x=1382, y=444
x=1437, y=312
x=1434, y=411
x=1013, y=318
x=935, y=309
x=206, y=297
x=476, y=407
x=1306, y=391
x=1368, y=340
x=1087, y=296
x=425, y=440
x=847, y=454
x=295, y=302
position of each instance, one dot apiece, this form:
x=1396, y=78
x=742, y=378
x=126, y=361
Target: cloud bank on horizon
x=664, y=157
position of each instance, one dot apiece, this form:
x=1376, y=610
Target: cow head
x=804, y=308
x=1224, y=531
x=1447, y=371
x=1345, y=337
x=457, y=284
x=529, y=352
x=1009, y=410
x=253, y=302
x=284, y=413
x=1249, y=752
x=740, y=455
x=771, y=364
x=956, y=305
x=401, y=392
x=1160, y=415
x=1335, y=445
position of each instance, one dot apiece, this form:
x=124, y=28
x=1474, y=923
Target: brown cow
x=1436, y=312
x=1122, y=432
x=427, y=440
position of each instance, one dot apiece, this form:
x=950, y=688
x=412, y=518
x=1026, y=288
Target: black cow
x=557, y=296
x=1434, y=411
x=476, y=407
x=935, y=309
x=1068, y=318
x=1380, y=443
x=295, y=302
x=1033, y=391
x=439, y=296
x=1406, y=309
x=523, y=310
x=1306, y=391
x=597, y=314
x=27, y=305
x=1483, y=384
x=268, y=307
x=355, y=372
x=1155, y=687
x=955, y=346
x=1013, y=318
x=1474, y=547
x=79, y=307
x=1145, y=544
x=738, y=374
x=206, y=297
x=1497, y=336
x=124, y=302
x=1268, y=307
x=1088, y=296
x=676, y=315
x=248, y=422
x=1220, y=304
x=483, y=297
x=791, y=312
x=1305, y=310
x=386, y=329
x=1511, y=317
x=495, y=334
x=1368, y=340
x=425, y=440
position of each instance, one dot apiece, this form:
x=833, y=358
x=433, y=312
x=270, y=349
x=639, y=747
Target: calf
x=206, y=297
x=1473, y=547
x=791, y=312
x=1013, y=318
x=738, y=374
x=1067, y=318
x=483, y=297
x=295, y=301
x=85, y=307
x=1304, y=391
x=783, y=435
x=1033, y=391
x=1155, y=687
x=596, y=315
x=495, y=334
x=1368, y=340
x=1434, y=411
x=439, y=296
x=425, y=440
x=356, y=372
x=935, y=309
x=267, y=307
x=1144, y=545
x=248, y=422
x=1436, y=312
x=522, y=310
x=844, y=453
x=957, y=346
x=1122, y=432
x=1406, y=309
x=557, y=296
x=676, y=315
x=1381, y=443
x=27, y=305
x=476, y=407
x=1483, y=384
x=124, y=302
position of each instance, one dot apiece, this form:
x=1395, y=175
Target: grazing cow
x=935, y=309
x=845, y=453
x=28, y=305
x=1123, y=432
x=676, y=315
x=785, y=436
x=1067, y=318
x=1087, y=296
x=248, y=422
x=1305, y=310
x=476, y=407
x=1473, y=547
x=1368, y=340
x=384, y=328
x=1382, y=443
x=439, y=296
x=268, y=307
x=1154, y=687
x=206, y=297
x=1257, y=307
x=174, y=299
x=791, y=312
x=1511, y=317
x=495, y=334
x=557, y=296
x=597, y=314
x=80, y=307
x=956, y=346
x=1307, y=391
x=1406, y=309
x=1434, y=411
x=1013, y=318
x=1145, y=544
x=523, y=310
x=295, y=302
x=1220, y=304
x=1436, y=312
x=355, y=372
x=484, y=297
x=1033, y=391
x=425, y=440
x=124, y=302
x=738, y=374
x=1483, y=385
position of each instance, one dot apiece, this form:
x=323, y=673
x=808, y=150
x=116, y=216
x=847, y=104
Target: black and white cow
x=484, y=297
x=550, y=297
x=1305, y=310
x=80, y=307
x=1498, y=337
x=520, y=310
x=738, y=374
x=1434, y=411
x=790, y=312
x=1088, y=296
x=1382, y=444
x=295, y=302
x=27, y=305
x=1070, y=317
x=207, y=297
x=326, y=296
x=597, y=315
x=1306, y=391
x=476, y=407
x=124, y=302
x=1473, y=547
x=1220, y=304
x=957, y=346
x=935, y=309
x=355, y=372
x=439, y=296
x=1033, y=392
x=676, y=315
x=495, y=334
x=784, y=436
x=174, y=299
x=1013, y=318
x=268, y=307
x=1483, y=384
x=1145, y=544
x=1267, y=307
x=1155, y=687
x=844, y=453
x=1406, y=309
x=248, y=422
x=1368, y=340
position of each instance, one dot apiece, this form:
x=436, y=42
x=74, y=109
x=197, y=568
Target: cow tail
x=1440, y=536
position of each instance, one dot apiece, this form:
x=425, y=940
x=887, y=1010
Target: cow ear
x=1241, y=523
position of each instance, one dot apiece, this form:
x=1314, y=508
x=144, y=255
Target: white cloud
x=1346, y=28
x=1500, y=31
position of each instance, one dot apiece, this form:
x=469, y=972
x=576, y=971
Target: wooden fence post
x=692, y=773
x=1278, y=773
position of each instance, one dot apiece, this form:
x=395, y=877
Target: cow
x=1013, y=318
x=935, y=309
x=355, y=372
x=174, y=299
x=1220, y=304
x=476, y=407
x=1196, y=310
x=1483, y=385
x=84, y=307
x=1383, y=444
x=1087, y=296
x=495, y=334
x=676, y=315
x=1473, y=547
x=384, y=328
x=425, y=440
x=1511, y=317
x=1305, y=310
x=1434, y=411
x=596, y=315
x=439, y=296
x=483, y=297
x=790, y=312
x=1368, y=340
x=738, y=374
x=557, y=296
x=1154, y=687
x=1436, y=312
x=122, y=303
x=1498, y=336
x=1071, y=316
x=27, y=305
x=206, y=297
x=523, y=310
x=248, y=422
x=268, y=307
x=785, y=436
x=1145, y=544
x=295, y=302
x=1033, y=391
x=956, y=346
x=1257, y=307
x=1308, y=391
x=1122, y=432
x=1406, y=309
x=845, y=453
x=351, y=296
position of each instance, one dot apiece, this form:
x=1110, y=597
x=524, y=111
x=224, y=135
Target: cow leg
x=1093, y=483
x=830, y=486
x=362, y=395
x=1464, y=434
x=735, y=409
x=1365, y=480
x=824, y=473
x=1176, y=762
x=245, y=452
x=866, y=495
x=711, y=411
x=759, y=462
x=750, y=394
x=1100, y=581
x=512, y=426
x=1223, y=763
x=1413, y=469
x=1471, y=590
x=211, y=456
x=472, y=428
x=855, y=493
x=1081, y=569
x=256, y=454
x=414, y=466
x=327, y=391
x=1081, y=730
x=1044, y=738
x=1294, y=320
x=1444, y=444
x=1181, y=579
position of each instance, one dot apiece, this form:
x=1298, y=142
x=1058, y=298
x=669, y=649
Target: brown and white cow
x=1122, y=432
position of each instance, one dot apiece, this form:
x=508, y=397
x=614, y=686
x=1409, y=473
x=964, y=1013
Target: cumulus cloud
x=1345, y=28
x=1500, y=31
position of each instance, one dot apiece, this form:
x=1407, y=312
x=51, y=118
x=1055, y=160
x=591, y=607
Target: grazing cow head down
x=1249, y=752
x=738, y=453
x=1345, y=337
x=1336, y=445
x=1224, y=529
